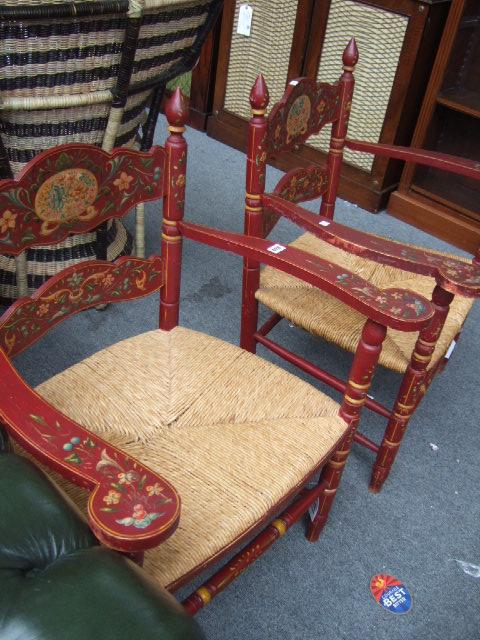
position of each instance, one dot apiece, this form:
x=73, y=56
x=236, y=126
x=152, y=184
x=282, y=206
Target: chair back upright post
x=254, y=188
x=173, y=209
x=339, y=130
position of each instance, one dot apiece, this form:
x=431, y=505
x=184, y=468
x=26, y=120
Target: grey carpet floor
x=426, y=519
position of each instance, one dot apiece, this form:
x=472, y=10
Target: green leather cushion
x=57, y=583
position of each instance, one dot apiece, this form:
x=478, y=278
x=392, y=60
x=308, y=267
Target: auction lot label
x=391, y=593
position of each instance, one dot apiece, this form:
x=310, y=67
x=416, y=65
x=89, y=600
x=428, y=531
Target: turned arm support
x=395, y=308
x=443, y=161
x=454, y=276
x=130, y=508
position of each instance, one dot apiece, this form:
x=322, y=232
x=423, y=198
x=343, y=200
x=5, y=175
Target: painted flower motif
x=127, y=478
x=452, y=272
x=396, y=296
x=90, y=212
x=321, y=107
x=43, y=309
x=123, y=181
x=75, y=280
x=112, y=497
x=181, y=180
x=381, y=299
x=107, y=280
x=140, y=518
x=154, y=489
x=7, y=221
x=417, y=306
x=139, y=512
x=396, y=310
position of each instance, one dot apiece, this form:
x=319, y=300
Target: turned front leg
x=360, y=379
x=412, y=389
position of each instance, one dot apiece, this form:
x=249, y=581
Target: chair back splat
x=239, y=440
x=304, y=109
x=71, y=189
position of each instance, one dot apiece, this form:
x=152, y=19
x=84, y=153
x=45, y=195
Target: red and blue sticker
x=391, y=593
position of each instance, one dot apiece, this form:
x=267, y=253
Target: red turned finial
x=350, y=55
x=176, y=109
x=259, y=96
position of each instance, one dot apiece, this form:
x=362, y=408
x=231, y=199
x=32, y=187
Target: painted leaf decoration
x=106, y=461
x=74, y=457
x=139, y=524
x=127, y=522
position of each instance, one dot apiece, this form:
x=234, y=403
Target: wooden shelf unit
x=397, y=40
x=443, y=204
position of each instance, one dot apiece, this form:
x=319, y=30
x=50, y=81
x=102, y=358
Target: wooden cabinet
x=448, y=206
x=397, y=40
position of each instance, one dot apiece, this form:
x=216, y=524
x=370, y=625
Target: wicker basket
x=66, y=67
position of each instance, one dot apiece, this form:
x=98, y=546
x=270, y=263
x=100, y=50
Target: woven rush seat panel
x=234, y=434
x=324, y=316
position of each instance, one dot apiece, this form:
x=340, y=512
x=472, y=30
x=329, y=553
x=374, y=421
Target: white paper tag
x=276, y=248
x=452, y=346
x=293, y=83
x=245, y=20
x=324, y=223
x=313, y=509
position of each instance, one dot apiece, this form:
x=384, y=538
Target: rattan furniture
x=238, y=437
x=451, y=282
x=86, y=72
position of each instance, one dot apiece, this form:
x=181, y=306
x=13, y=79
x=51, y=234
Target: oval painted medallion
x=297, y=119
x=66, y=195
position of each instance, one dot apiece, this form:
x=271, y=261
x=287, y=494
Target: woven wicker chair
x=85, y=72
x=304, y=109
x=239, y=438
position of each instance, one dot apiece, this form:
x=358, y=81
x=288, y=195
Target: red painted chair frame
x=72, y=450
x=268, y=136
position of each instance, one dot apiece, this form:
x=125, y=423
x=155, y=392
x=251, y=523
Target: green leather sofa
x=58, y=583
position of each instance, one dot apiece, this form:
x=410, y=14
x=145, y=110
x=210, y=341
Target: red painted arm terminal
x=453, y=275
x=396, y=308
x=131, y=508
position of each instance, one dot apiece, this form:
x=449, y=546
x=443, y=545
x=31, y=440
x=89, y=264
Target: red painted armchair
x=450, y=282
x=238, y=437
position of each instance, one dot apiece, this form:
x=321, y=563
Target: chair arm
x=396, y=308
x=443, y=161
x=131, y=508
x=452, y=275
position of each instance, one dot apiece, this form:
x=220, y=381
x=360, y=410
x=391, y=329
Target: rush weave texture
x=266, y=51
x=379, y=34
x=325, y=316
x=234, y=433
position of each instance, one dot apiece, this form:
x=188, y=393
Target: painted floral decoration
x=127, y=496
x=123, y=181
x=7, y=221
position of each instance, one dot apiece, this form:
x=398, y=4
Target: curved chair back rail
x=72, y=189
